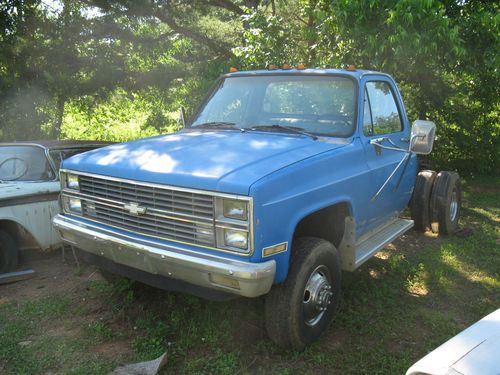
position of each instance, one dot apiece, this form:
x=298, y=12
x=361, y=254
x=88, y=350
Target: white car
x=29, y=191
x=474, y=351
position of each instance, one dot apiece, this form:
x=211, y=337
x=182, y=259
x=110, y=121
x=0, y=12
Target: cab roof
x=358, y=73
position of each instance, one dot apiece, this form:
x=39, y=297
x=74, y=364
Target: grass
x=410, y=298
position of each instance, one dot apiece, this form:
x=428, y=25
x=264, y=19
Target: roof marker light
x=301, y=66
x=351, y=68
x=286, y=66
x=232, y=70
x=272, y=67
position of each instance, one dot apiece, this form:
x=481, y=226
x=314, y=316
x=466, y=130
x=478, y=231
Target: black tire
x=419, y=205
x=445, y=203
x=8, y=252
x=286, y=308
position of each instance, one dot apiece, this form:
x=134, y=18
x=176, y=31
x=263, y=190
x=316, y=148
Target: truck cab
x=282, y=179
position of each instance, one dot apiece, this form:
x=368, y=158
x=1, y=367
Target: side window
x=385, y=117
x=367, y=116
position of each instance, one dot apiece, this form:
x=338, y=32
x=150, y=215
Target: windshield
x=24, y=163
x=322, y=105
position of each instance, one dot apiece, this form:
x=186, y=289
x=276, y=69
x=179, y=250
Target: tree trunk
x=311, y=42
x=56, y=131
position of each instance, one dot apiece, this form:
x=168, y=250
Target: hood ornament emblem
x=134, y=209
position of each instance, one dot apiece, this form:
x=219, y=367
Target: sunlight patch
x=113, y=156
x=153, y=162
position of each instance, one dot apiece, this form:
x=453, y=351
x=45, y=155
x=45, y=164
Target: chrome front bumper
x=215, y=272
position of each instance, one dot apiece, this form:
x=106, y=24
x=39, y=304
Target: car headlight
x=72, y=205
x=236, y=238
x=72, y=181
x=235, y=209
x=233, y=224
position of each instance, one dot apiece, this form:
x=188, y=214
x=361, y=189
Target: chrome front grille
x=170, y=214
x=173, y=201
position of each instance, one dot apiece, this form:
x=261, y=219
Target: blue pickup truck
x=280, y=180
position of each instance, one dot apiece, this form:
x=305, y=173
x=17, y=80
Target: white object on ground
x=474, y=351
x=141, y=368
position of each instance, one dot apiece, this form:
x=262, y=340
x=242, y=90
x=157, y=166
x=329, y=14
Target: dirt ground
x=53, y=274
x=58, y=274
x=412, y=296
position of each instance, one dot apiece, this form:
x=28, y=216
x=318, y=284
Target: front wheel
x=299, y=310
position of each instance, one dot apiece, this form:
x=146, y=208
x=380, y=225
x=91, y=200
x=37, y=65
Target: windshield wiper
x=287, y=128
x=216, y=125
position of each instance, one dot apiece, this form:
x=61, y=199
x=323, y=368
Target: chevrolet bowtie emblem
x=134, y=209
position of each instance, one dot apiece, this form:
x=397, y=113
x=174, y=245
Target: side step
x=368, y=246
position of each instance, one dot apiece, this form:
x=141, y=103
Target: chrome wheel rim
x=317, y=295
x=454, y=205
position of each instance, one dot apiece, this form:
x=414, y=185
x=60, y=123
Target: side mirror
x=422, y=137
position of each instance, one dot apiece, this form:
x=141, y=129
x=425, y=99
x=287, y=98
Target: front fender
x=284, y=198
x=35, y=219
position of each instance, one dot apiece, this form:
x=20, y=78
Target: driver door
x=384, y=118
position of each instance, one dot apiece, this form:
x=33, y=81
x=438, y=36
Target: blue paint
x=288, y=175
x=223, y=160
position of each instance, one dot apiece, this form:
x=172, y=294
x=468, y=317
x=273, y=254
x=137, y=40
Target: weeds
x=409, y=299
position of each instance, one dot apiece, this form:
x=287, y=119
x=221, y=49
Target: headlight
x=72, y=182
x=235, y=209
x=236, y=238
x=233, y=224
x=72, y=205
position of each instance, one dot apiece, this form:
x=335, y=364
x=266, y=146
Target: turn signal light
x=275, y=249
x=224, y=280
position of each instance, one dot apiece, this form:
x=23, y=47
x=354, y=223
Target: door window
x=381, y=114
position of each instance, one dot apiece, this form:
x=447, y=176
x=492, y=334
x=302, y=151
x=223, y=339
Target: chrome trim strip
x=160, y=186
x=254, y=279
x=231, y=250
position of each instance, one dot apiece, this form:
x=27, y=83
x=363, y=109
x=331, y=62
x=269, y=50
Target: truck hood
x=226, y=161
x=22, y=189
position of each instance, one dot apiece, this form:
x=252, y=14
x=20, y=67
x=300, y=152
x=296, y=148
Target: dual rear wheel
x=436, y=201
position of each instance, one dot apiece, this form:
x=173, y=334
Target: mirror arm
x=405, y=157
x=408, y=157
x=376, y=142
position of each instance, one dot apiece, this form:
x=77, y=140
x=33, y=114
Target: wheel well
x=327, y=223
x=22, y=237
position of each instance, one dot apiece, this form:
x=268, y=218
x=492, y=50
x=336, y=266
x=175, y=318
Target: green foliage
x=444, y=55
x=121, y=117
x=98, y=332
x=268, y=40
x=119, y=70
